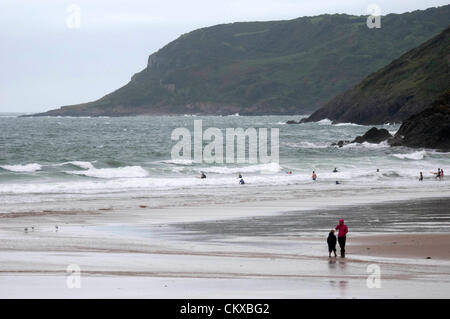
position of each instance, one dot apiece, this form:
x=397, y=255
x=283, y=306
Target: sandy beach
x=266, y=249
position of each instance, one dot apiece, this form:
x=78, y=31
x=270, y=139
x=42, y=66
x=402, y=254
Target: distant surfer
x=421, y=177
x=242, y=181
x=378, y=170
x=342, y=235
x=202, y=175
x=289, y=172
x=314, y=176
x=335, y=170
x=442, y=173
x=240, y=175
x=337, y=182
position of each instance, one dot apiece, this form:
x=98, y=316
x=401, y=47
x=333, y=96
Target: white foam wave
x=350, y=177
x=347, y=124
x=80, y=164
x=325, y=122
x=308, y=145
x=178, y=162
x=119, y=172
x=367, y=145
x=411, y=156
x=28, y=168
x=264, y=168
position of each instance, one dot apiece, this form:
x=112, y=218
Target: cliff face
x=276, y=67
x=429, y=128
x=405, y=87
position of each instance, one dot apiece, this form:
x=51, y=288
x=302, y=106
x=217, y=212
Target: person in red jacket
x=342, y=235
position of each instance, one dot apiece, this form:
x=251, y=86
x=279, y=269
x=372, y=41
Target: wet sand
x=239, y=251
x=420, y=246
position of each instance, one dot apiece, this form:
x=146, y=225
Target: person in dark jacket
x=342, y=235
x=331, y=240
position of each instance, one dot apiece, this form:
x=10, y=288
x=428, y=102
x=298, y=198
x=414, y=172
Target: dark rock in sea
x=340, y=143
x=373, y=135
x=292, y=122
x=429, y=128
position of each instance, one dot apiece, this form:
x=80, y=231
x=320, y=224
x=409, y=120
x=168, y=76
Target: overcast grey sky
x=45, y=63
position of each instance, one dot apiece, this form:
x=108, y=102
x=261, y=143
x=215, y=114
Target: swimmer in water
x=438, y=174
x=335, y=170
x=239, y=175
x=421, y=177
x=314, y=176
x=242, y=181
x=202, y=176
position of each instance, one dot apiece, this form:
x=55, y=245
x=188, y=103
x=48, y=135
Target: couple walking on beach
x=342, y=237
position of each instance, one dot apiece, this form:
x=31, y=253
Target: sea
x=45, y=159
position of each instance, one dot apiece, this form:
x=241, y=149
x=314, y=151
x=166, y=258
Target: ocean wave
x=411, y=156
x=325, y=122
x=80, y=164
x=177, y=162
x=308, y=145
x=107, y=173
x=393, y=132
x=347, y=124
x=28, y=168
x=367, y=145
x=367, y=176
x=264, y=168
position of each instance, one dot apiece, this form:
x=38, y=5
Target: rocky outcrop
x=427, y=129
x=340, y=143
x=373, y=135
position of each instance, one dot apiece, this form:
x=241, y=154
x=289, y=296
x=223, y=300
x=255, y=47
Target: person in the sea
x=438, y=174
x=342, y=235
x=314, y=176
x=335, y=170
x=421, y=177
x=442, y=173
x=289, y=172
x=202, y=175
x=242, y=181
x=239, y=175
x=331, y=241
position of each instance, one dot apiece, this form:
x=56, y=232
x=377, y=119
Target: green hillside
x=276, y=67
x=405, y=87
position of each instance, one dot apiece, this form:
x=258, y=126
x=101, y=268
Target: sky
x=57, y=52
